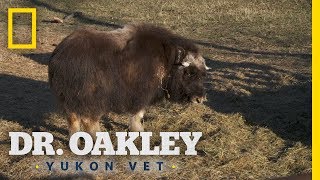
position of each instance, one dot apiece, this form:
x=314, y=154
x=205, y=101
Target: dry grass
x=256, y=123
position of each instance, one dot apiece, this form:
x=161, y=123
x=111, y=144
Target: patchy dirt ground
x=256, y=123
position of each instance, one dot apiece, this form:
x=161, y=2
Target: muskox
x=95, y=72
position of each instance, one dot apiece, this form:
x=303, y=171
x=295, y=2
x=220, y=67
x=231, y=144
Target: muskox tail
x=74, y=78
x=56, y=55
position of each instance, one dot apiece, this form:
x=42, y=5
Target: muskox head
x=186, y=81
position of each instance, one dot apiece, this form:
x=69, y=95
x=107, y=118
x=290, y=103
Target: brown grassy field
x=256, y=123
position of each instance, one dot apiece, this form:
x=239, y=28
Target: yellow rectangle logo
x=33, y=12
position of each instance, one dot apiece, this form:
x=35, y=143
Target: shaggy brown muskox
x=94, y=72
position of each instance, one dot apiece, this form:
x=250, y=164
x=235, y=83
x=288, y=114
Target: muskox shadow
x=30, y=103
x=79, y=15
x=258, y=93
x=26, y=102
x=2, y=176
x=253, y=52
x=41, y=58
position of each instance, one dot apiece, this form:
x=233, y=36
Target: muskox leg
x=135, y=122
x=74, y=123
x=91, y=125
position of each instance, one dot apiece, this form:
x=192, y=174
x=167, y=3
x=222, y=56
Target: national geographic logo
x=33, y=12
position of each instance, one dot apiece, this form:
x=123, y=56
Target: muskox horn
x=185, y=64
x=181, y=54
x=206, y=67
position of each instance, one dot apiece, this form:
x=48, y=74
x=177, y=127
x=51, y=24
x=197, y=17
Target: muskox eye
x=190, y=73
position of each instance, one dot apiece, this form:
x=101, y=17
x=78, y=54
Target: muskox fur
x=95, y=72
